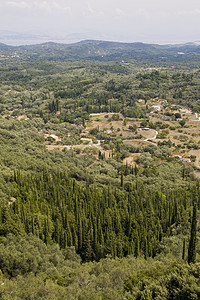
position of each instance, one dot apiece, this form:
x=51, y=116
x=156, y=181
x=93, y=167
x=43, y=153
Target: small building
x=187, y=160
x=185, y=111
x=108, y=131
x=156, y=107
x=12, y=200
x=140, y=129
x=53, y=136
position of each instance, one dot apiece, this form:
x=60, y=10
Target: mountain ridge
x=106, y=50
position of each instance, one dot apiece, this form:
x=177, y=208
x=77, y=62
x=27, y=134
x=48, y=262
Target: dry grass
x=131, y=159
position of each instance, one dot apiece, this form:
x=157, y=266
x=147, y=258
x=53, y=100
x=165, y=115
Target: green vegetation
x=99, y=187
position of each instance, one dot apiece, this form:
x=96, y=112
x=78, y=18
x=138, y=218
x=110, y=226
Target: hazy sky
x=123, y=20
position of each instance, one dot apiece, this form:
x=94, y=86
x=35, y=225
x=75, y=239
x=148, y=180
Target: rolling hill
x=106, y=51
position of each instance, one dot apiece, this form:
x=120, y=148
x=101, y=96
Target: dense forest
x=99, y=177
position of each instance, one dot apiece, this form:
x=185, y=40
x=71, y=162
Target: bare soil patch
x=131, y=159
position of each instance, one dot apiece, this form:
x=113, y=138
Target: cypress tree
x=183, y=253
x=87, y=248
x=193, y=237
x=122, y=180
x=80, y=234
x=137, y=246
x=145, y=250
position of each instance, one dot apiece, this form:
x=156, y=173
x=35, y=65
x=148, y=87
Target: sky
x=160, y=21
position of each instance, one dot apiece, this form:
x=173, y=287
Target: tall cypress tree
x=122, y=180
x=193, y=237
x=183, y=253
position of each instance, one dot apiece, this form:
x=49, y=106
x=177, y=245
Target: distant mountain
x=16, y=38
x=22, y=38
x=105, y=50
x=5, y=47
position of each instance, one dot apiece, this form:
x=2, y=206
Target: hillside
x=100, y=168
x=107, y=51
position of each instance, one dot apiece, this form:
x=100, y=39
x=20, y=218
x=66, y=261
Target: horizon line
x=64, y=42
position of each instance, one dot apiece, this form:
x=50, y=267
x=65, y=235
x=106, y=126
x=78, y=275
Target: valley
x=100, y=168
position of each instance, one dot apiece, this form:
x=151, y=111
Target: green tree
x=193, y=237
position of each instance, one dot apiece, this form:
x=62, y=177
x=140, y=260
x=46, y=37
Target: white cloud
x=42, y=5
x=195, y=11
x=67, y=8
x=19, y=4
x=119, y=11
x=51, y=6
x=142, y=12
x=56, y=5
x=90, y=9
